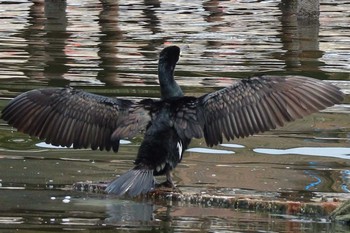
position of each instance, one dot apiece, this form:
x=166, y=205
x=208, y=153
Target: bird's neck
x=168, y=86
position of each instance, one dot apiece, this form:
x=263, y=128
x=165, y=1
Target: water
x=111, y=48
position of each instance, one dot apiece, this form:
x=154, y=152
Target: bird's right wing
x=70, y=117
x=261, y=103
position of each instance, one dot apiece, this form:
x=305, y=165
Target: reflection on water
x=111, y=47
x=336, y=152
x=128, y=211
x=50, y=146
x=110, y=44
x=210, y=151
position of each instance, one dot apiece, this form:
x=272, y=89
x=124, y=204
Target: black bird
x=70, y=117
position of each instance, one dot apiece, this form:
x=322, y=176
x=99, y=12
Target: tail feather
x=133, y=183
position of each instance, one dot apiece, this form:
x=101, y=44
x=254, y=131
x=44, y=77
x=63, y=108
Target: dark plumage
x=65, y=116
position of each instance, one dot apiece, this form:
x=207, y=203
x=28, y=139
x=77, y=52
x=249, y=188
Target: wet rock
x=249, y=200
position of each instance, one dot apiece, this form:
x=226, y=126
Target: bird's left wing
x=70, y=117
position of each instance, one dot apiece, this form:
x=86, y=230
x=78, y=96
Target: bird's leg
x=169, y=183
x=169, y=179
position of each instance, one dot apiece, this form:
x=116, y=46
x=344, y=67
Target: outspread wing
x=66, y=117
x=251, y=106
x=262, y=103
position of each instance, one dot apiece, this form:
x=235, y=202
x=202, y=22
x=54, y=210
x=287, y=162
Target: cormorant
x=71, y=117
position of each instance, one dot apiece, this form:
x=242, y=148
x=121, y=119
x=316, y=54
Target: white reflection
x=334, y=152
x=11, y=220
x=232, y=145
x=209, y=151
x=50, y=146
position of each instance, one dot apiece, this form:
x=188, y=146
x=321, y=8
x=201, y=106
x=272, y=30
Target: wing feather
x=270, y=118
x=226, y=130
x=234, y=130
x=66, y=117
x=262, y=103
x=253, y=120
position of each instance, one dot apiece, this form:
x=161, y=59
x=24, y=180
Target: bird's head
x=169, y=55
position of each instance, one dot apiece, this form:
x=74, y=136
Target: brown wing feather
x=66, y=117
x=262, y=103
